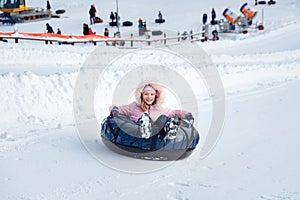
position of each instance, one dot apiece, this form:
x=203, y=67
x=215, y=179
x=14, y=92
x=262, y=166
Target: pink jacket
x=134, y=111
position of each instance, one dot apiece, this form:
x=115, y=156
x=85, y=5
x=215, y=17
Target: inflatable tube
x=159, y=21
x=113, y=23
x=60, y=11
x=261, y=2
x=154, y=148
x=271, y=2
x=98, y=20
x=127, y=23
x=158, y=32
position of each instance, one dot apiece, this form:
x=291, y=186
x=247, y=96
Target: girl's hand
x=114, y=111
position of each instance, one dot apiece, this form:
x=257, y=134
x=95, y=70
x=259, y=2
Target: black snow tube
x=158, y=32
x=271, y=2
x=60, y=11
x=127, y=23
x=262, y=2
x=160, y=21
x=156, y=147
x=113, y=24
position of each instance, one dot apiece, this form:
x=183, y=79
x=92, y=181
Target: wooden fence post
x=131, y=42
x=149, y=43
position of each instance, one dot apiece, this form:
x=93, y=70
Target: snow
x=43, y=155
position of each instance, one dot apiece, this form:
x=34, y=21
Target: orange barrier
x=230, y=16
x=52, y=35
x=248, y=12
x=73, y=39
x=7, y=33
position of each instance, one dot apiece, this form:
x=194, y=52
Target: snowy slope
x=42, y=156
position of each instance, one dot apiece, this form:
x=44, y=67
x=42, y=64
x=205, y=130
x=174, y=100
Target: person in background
x=91, y=32
x=117, y=17
x=58, y=31
x=48, y=5
x=49, y=28
x=160, y=15
x=92, y=13
x=112, y=17
x=140, y=26
x=106, y=32
x=85, y=29
x=213, y=16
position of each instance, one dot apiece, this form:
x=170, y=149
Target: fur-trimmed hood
x=156, y=86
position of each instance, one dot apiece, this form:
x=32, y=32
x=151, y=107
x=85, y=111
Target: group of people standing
x=114, y=17
x=93, y=19
x=50, y=29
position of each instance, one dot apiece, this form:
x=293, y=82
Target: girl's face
x=148, y=97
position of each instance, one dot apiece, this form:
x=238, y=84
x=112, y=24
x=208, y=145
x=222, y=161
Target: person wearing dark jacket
x=49, y=28
x=160, y=16
x=117, y=17
x=112, y=16
x=213, y=16
x=85, y=29
x=48, y=5
x=92, y=13
x=58, y=31
x=106, y=32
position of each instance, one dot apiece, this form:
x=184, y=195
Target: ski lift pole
x=117, y=20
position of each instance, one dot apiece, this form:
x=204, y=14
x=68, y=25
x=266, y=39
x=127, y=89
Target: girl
x=147, y=107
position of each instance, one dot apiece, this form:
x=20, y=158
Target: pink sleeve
x=174, y=112
x=124, y=109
